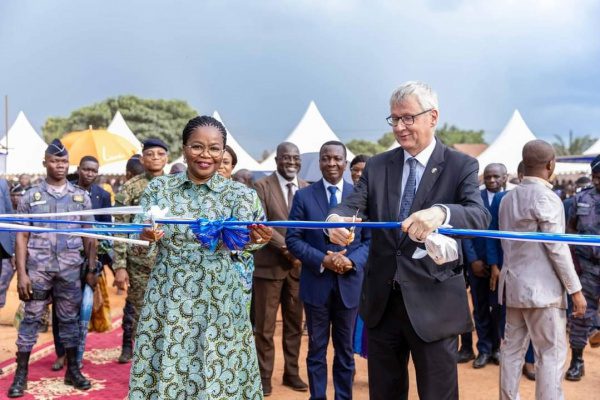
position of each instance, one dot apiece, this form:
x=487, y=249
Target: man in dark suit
x=486, y=310
x=413, y=306
x=331, y=276
x=87, y=173
x=277, y=274
x=7, y=245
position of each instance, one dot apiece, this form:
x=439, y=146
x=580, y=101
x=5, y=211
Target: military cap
x=154, y=142
x=595, y=164
x=56, y=148
x=18, y=189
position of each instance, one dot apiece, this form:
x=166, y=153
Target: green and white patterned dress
x=194, y=338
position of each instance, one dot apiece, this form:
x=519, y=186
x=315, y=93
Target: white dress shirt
x=284, y=188
x=422, y=160
x=338, y=193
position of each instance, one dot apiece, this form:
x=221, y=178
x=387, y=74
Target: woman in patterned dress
x=243, y=261
x=194, y=338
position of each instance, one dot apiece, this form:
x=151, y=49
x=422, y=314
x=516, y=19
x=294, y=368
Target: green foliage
x=146, y=118
x=359, y=146
x=451, y=135
x=576, y=145
x=386, y=140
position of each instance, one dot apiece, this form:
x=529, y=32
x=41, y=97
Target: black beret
x=56, y=148
x=595, y=164
x=154, y=142
x=18, y=189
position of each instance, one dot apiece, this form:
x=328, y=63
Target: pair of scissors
x=353, y=228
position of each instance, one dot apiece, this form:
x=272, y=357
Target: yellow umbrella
x=106, y=146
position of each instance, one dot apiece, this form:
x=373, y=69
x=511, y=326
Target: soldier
x=585, y=219
x=132, y=264
x=50, y=264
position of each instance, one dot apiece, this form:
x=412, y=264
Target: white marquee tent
x=245, y=160
x=594, y=149
x=508, y=146
x=118, y=126
x=310, y=133
x=24, y=151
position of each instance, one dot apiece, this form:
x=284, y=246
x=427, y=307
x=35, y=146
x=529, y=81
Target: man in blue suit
x=486, y=310
x=331, y=278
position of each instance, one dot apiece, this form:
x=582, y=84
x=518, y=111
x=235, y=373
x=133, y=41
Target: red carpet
x=109, y=379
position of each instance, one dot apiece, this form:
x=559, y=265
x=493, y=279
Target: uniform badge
x=37, y=196
x=77, y=198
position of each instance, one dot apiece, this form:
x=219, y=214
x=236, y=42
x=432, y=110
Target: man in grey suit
x=535, y=279
x=414, y=307
x=7, y=245
x=277, y=275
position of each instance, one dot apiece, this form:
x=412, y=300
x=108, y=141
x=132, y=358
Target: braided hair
x=200, y=121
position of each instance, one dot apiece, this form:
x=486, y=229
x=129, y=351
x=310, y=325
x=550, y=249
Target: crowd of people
x=199, y=321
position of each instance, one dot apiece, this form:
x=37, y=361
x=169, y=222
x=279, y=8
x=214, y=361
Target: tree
x=387, y=140
x=359, y=146
x=163, y=119
x=576, y=145
x=451, y=135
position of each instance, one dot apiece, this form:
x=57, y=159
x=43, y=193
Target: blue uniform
x=585, y=215
x=53, y=264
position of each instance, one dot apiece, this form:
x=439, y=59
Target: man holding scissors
x=331, y=277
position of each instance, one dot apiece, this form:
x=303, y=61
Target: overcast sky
x=259, y=63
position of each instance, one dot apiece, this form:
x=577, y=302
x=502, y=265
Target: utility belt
x=591, y=260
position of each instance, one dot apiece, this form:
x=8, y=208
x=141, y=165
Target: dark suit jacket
x=7, y=239
x=495, y=254
x=100, y=199
x=269, y=261
x=311, y=245
x=476, y=248
x=434, y=295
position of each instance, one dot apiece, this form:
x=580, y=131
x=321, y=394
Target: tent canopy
x=594, y=149
x=245, y=160
x=119, y=127
x=310, y=133
x=25, y=150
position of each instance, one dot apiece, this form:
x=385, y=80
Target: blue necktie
x=410, y=189
x=333, y=198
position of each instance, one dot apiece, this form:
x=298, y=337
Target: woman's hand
x=260, y=234
x=151, y=235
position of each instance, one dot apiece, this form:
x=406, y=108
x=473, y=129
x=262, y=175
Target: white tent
x=594, y=149
x=119, y=127
x=508, y=145
x=310, y=133
x=245, y=160
x=394, y=145
x=507, y=149
x=22, y=149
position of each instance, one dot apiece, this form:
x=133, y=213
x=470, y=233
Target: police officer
x=585, y=219
x=50, y=265
x=132, y=264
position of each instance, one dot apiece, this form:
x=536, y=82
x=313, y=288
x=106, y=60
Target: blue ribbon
x=235, y=234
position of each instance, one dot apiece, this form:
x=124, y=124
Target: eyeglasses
x=198, y=149
x=406, y=119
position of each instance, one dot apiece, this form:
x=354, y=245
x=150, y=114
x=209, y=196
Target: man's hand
x=92, y=280
x=121, y=279
x=341, y=236
x=421, y=223
x=343, y=263
x=494, y=276
x=290, y=257
x=579, y=304
x=480, y=269
x=24, y=286
x=151, y=234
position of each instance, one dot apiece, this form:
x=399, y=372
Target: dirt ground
x=474, y=384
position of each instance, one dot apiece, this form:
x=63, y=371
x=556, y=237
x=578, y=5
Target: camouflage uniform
x=53, y=265
x=586, y=210
x=138, y=260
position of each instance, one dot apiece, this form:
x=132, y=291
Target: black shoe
x=482, y=360
x=576, y=369
x=465, y=355
x=496, y=357
x=529, y=371
x=295, y=383
x=266, y=387
x=73, y=376
x=17, y=389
